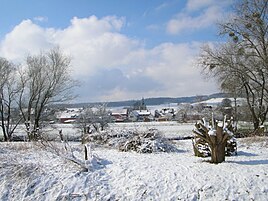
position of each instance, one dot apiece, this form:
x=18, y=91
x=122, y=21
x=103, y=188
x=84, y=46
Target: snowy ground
x=71, y=131
x=169, y=129
x=29, y=172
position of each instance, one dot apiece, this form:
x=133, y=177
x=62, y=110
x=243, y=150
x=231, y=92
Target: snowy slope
x=217, y=101
x=28, y=172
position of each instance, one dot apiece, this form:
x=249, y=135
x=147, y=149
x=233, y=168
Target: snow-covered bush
x=132, y=140
x=74, y=154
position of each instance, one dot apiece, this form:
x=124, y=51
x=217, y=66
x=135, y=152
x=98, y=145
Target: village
x=140, y=112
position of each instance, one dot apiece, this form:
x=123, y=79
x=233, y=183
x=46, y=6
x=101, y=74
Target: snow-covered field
x=168, y=129
x=30, y=172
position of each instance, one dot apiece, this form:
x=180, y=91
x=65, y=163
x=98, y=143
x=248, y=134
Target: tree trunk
x=86, y=152
x=256, y=124
x=28, y=131
x=218, y=153
x=36, y=131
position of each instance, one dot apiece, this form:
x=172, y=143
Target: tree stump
x=213, y=136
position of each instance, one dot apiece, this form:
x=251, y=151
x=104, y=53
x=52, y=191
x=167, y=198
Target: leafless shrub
x=132, y=140
x=73, y=154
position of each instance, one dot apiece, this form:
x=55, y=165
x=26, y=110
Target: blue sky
x=120, y=49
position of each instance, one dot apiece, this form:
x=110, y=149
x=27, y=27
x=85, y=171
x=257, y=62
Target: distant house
x=165, y=114
x=141, y=115
x=120, y=115
x=70, y=115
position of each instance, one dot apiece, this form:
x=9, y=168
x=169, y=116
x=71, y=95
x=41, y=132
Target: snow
x=170, y=129
x=217, y=101
x=30, y=172
x=212, y=132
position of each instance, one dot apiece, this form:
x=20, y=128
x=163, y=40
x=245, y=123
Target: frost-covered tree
x=241, y=64
x=183, y=112
x=226, y=107
x=103, y=116
x=45, y=79
x=8, y=94
x=96, y=118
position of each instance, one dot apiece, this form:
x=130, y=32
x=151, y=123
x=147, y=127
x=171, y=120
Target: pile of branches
x=149, y=141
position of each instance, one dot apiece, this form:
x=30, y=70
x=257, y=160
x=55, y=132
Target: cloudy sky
x=120, y=49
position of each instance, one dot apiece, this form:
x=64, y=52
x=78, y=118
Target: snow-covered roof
x=142, y=112
x=119, y=112
x=67, y=114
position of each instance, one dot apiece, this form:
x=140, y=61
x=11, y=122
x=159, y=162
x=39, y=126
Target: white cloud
x=184, y=22
x=153, y=27
x=172, y=65
x=40, y=19
x=162, y=6
x=193, y=5
x=24, y=39
x=198, y=14
x=93, y=43
x=97, y=47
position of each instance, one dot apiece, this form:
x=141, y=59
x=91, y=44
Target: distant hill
x=149, y=101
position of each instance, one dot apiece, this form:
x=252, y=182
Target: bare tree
x=8, y=91
x=226, y=108
x=97, y=116
x=45, y=80
x=241, y=64
x=183, y=112
x=103, y=116
x=92, y=119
